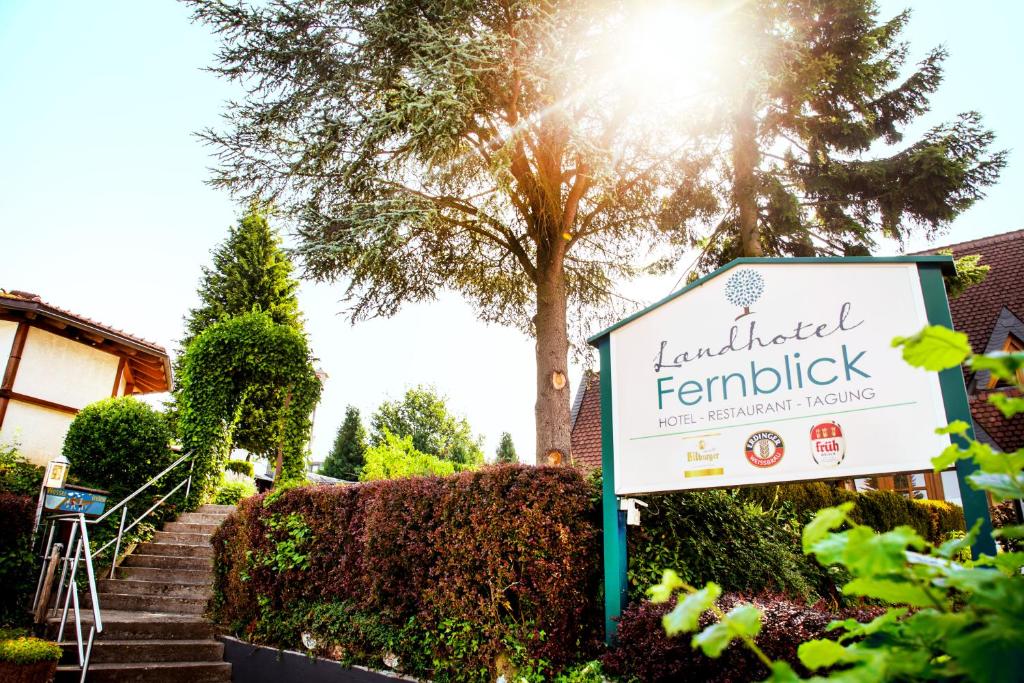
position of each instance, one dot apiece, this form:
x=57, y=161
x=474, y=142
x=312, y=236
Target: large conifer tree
x=250, y=271
x=815, y=100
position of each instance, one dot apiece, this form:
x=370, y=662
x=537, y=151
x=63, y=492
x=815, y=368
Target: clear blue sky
x=104, y=210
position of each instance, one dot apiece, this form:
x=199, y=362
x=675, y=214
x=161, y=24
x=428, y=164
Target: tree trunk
x=744, y=164
x=552, y=408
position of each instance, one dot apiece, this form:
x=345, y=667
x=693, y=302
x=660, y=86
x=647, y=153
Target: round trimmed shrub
x=118, y=444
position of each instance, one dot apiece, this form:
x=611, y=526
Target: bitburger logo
x=764, y=449
x=828, y=446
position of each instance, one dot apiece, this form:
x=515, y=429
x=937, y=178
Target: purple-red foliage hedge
x=643, y=651
x=509, y=549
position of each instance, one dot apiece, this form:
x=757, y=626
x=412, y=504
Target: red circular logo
x=764, y=449
x=828, y=445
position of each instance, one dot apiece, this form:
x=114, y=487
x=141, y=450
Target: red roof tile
x=977, y=309
x=586, y=428
x=1008, y=434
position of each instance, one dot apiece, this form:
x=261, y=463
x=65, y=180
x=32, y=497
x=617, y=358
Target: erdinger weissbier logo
x=828, y=446
x=764, y=449
x=743, y=288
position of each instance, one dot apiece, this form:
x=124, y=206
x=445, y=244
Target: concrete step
x=202, y=518
x=167, y=562
x=138, y=626
x=191, y=528
x=169, y=589
x=172, y=537
x=216, y=509
x=149, y=672
x=105, y=651
x=148, y=603
x=203, y=577
x=175, y=549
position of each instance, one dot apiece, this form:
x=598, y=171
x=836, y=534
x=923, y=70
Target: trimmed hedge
x=242, y=467
x=454, y=576
x=644, y=653
x=881, y=510
x=16, y=562
x=717, y=536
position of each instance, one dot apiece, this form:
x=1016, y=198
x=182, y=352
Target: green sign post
x=809, y=348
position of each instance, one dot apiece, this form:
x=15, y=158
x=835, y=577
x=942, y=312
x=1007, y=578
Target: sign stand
x=951, y=382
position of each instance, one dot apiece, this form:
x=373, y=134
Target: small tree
x=506, y=449
x=250, y=272
x=423, y=416
x=349, y=452
x=396, y=458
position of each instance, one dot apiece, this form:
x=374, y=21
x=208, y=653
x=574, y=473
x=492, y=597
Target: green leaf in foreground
x=898, y=592
x=685, y=615
x=934, y=348
x=817, y=654
x=825, y=521
x=662, y=592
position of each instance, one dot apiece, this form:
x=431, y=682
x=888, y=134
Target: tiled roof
x=586, y=425
x=977, y=309
x=1008, y=434
x=113, y=331
x=147, y=361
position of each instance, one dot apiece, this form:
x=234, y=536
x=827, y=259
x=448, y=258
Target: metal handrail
x=80, y=552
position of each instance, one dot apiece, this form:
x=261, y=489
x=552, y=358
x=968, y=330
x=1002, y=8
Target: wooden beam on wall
x=11, y=369
x=117, y=377
x=8, y=395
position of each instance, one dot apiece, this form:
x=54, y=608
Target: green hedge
x=880, y=510
x=243, y=467
x=717, y=536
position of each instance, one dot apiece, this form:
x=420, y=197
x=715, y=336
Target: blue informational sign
x=73, y=500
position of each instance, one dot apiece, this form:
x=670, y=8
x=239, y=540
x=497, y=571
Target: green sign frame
x=954, y=394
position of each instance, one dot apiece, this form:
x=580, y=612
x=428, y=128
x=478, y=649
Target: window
x=918, y=485
x=1012, y=345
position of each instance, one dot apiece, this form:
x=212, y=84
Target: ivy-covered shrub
x=242, y=467
x=231, y=492
x=881, y=510
x=716, y=536
x=17, y=475
x=16, y=563
x=643, y=652
x=451, y=575
x=118, y=444
x=221, y=367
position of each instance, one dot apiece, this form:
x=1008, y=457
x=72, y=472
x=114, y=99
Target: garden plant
x=947, y=617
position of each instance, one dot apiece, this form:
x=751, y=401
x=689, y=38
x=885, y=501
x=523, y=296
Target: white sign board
x=774, y=372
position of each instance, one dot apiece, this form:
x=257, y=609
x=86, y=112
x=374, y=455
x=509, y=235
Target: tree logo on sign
x=743, y=288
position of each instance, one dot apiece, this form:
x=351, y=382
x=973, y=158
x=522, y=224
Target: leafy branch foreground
x=948, y=619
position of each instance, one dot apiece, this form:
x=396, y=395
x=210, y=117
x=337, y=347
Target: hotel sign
x=773, y=371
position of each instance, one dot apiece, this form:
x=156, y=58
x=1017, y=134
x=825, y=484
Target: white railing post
x=117, y=546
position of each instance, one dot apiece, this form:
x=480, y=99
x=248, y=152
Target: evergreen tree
x=475, y=146
x=506, y=449
x=348, y=456
x=813, y=121
x=250, y=271
x=423, y=415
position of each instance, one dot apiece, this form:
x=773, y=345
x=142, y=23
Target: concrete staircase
x=153, y=625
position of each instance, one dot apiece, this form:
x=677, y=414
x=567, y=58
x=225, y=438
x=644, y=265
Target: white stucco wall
x=7, y=330
x=64, y=371
x=58, y=370
x=39, y=431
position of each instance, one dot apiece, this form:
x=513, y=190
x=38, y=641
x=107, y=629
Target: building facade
x=56, y=362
